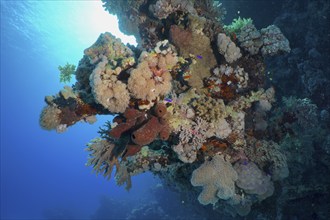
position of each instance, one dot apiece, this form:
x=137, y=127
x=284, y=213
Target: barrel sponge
x=151, y=78
x=217, y=177
x=107, y=89
x=50, y=117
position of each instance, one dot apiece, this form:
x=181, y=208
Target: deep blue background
x=43, y=170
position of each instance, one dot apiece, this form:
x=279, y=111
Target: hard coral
x=250, y=38
x=191, y=139
x=264, y=153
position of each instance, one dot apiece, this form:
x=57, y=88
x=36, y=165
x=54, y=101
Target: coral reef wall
x=194, y=104
x=306, y=68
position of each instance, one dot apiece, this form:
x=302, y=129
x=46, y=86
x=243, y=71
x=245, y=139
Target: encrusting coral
x=182, y=101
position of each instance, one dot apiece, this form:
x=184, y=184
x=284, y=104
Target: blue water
x=43, y=171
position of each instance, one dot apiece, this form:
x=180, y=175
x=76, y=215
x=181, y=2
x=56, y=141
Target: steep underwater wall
x=191, y=102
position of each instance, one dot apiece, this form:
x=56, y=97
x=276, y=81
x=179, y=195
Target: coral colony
x=182, y=101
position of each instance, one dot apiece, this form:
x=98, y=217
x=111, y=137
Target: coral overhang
x=183, y=95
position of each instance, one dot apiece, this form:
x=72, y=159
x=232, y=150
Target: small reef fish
x=186, y=77
x=168, y=100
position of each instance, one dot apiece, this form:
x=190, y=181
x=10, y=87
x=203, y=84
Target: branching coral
x=191, y=139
